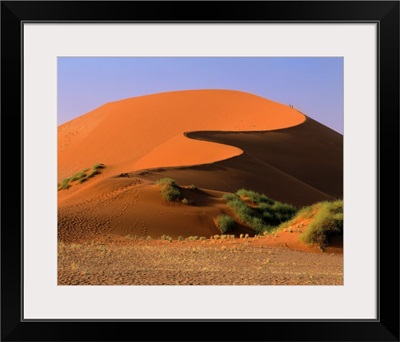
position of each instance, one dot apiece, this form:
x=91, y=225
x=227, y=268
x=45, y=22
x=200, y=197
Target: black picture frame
x=384, y=13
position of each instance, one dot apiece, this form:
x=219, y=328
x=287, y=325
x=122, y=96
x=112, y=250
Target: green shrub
x=170, y=192
x=265, y=212
x=92, y=174
x=276, y=213
x=327, y=222
x=64, y=184
x=169, y=189
x=166, y=181
x=192, y=238
x=254, y=197
x=98, y=166
x=245, y=214
x=230, y=197
x=225, y=223
x=166, y=238
x=78, y=176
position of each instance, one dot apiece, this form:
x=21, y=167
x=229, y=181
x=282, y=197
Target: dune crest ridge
x=150, y=131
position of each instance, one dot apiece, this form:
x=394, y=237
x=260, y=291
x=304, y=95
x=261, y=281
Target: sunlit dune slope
x=134, y=206
x=148, y=131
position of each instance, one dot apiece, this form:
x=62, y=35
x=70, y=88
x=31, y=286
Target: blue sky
x=312, y=84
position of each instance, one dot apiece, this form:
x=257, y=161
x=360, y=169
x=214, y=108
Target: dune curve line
x=151, y=131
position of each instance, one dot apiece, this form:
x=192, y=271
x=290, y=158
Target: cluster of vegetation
x=225, y=223
x=258, y=211
x=196, y=238
x=222, y=237
x=327, y=221
x=80, y=177
x=181, y=238
x=170, y=191
x=166, y=238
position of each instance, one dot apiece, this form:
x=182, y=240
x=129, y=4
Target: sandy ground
x=129, y=261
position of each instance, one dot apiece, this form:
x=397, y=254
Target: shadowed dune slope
x=299, y=165
x=148, y=131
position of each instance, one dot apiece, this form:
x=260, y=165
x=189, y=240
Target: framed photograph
x=216, y=162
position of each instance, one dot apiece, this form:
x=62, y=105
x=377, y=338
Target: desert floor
x=251, y=261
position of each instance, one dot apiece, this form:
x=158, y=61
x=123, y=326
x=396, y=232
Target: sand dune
x=219, y=140
x=135, y=207
x=300, y=165
x=109, y=226
x=148, y=131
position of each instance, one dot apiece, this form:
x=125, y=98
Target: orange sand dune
x=121, y=207
x=148, y=131
x=134, y=206
x=299, y=165
x=218, y=140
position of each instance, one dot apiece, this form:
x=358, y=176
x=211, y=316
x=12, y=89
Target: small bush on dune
x=264, y=213
x=303, y=214
x=92, y=174
x=254, y=197
x=327, y=222
x=166, y=180
x=80, y=176
x=258, y=225
x=276, y=213
x=98, y=166
x=247, y=215
x=170, y=192
x=230, y=197
x=225, y=223
x=64, y=184
x=169, y=189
